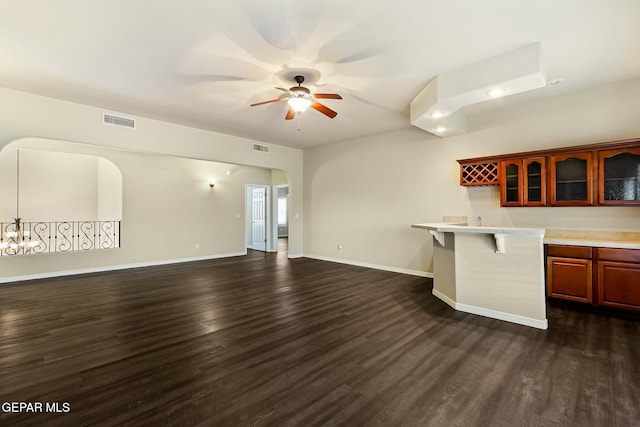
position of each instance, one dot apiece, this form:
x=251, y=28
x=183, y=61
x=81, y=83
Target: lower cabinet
x=570, y=273
x=619, y=278
x=607, y=277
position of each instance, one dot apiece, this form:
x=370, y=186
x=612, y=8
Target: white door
x=259, y=219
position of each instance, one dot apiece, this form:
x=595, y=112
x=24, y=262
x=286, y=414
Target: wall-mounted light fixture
x=212, y=183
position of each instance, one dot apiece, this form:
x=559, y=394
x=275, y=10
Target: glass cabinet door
x=535, y=182
x=572, y=179
x=511, y=183
x=619, y=177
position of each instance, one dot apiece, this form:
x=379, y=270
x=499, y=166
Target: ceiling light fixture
x=437, y=115
x=300, y=98
x=441, y=129
x=299, y=104
x=496, y=93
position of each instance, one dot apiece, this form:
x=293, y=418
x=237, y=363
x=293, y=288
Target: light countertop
x=444, y=227
x=594, y=238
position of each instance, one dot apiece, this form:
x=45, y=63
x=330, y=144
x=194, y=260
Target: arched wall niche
x=57, y=182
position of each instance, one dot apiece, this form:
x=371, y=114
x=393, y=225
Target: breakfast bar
x=496, y=272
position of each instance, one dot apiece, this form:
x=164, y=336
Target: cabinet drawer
x=583, y=252
x=624, y=255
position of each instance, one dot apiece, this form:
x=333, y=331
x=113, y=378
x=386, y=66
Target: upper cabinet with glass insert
x=523, y=182
x=571, y=179
x=606, y=173
x=535, y=182
x=619, y=176
x=511, y=183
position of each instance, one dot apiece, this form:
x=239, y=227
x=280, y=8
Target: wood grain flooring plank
x=264, y=340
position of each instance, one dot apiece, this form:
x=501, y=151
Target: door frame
x=274, y=216
x=249, y=217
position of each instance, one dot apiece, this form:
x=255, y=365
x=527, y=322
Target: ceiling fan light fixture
x=299, y=104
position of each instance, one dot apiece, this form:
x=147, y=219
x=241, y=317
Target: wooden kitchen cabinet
x=606, y=173
x=535, y=182
x=571, y=179
x=478, y=173
x=523, y=182
x=619, y=278
x=619, y=176
x=607, y=277
x=511, y=182
x=569, y=273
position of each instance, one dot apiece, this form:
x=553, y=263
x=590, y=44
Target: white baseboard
x=374, y=266
x=500, y=315
x=114, y=267
x=294, y=256
x=451, y=303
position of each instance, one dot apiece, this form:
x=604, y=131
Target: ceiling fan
x=300, y=98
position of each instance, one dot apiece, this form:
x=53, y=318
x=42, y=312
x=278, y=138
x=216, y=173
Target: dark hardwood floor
x=263, y=340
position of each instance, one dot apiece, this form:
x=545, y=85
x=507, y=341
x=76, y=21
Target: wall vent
x=110, y=119
x=261, y=148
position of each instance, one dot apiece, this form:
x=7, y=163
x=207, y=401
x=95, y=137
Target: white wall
x=27, y=115
x=364, y=194
x=56, y=186
x=24, y=115
x=109, y=191
x=169, y=212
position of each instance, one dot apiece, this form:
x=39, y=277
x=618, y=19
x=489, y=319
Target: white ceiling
x=202, y=62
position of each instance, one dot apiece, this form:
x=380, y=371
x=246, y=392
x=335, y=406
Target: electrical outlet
x=197, y=245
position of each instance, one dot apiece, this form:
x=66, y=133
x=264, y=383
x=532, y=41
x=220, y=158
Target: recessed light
x=441, y=129
x=436, y=114
x=496, y=93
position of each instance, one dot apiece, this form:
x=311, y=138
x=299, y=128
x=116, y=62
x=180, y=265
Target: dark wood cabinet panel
x=570, y=279
x=523, y=182
x=606, y=173
x=619, y=176
x=571, y=179
x=511, y=183
x=567, y=251
x=535, y=181
x=607, y=277
x=619, y=285
x=622, y=255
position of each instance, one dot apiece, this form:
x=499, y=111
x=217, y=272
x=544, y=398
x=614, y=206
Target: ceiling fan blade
x=324, y=109
x=268, y=102
x=290, y=114
x=282, y=89
x=327, y=96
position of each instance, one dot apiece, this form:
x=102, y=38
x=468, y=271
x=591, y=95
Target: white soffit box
x=436, y=108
